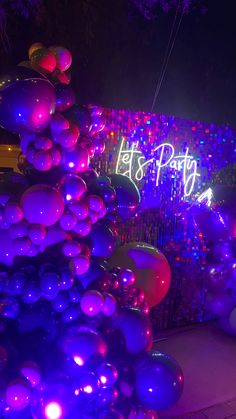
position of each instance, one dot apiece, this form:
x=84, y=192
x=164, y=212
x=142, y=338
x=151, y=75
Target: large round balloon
x=136, y=329
x=151, y=269
x=27, y=105
x=158, y=381
x=42, y=204
x=127, y=195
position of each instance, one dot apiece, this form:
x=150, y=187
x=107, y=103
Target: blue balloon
x=61, y=302
x=158, y=381
x=27, y=105
x=136, y=329
x=127, y=195
x=103, y=241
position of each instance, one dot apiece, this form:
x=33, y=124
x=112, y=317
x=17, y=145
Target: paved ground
x=220, y=411
x=208, y=359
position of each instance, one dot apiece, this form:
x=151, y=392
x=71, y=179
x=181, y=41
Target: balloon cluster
x=76, y=339
x=217, y=224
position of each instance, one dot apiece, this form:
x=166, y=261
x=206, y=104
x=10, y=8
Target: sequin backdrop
x=163, y=218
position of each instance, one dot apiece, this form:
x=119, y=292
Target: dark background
x=117, y=55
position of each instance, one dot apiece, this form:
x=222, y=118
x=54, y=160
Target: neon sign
x=132, y=163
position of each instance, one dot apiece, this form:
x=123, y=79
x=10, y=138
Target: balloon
x=63, y=57
x=17, y=395
x=71, y=248
x=80, y=264
x=42, y=160
x=43, y=58
x=149, y=266
x=127, y=277
x=27, y=105
x=37, y=233
x=65, y=97
x=31, y=371
x=95, y=203
x=220, y=302
x=85, y=344
x=228, y=323
x=136, y=329
x=42, y=204
x=80, y=209
x=13, y=212
x=109, y=306
x=107, y=373
x=21, y=245
x=158, y=381
x=91, y=302
x=72, y=187
x=127, y=195
x=210, y=223
x=34, y=47
x=103, y=241
x=49, y=284
x=80, y=116
x=20, y=229
x=58, y=123
x=68, y=220
x=30, y=293
x=60, y=302
x=75, y=160
x=43, y=143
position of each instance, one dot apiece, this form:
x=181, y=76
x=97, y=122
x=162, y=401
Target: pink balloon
x=63, y=57
x=71, y=248
x=91, y=302
x=80, y=264
x=44, y=59
x=42, y=204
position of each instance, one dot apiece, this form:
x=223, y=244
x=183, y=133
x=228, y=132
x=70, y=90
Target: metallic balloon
x=127, y=195
x=150, y=267
x=158, y=381
x=27, y=105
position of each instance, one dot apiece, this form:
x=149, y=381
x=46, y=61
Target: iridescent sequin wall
x=172, y=161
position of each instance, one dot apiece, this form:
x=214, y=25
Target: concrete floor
x=208, y=359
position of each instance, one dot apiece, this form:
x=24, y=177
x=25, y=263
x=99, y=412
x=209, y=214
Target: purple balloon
x=42, y=204
x=75, y=160
x=220, y=302
x=27, y=105
x=136, y=329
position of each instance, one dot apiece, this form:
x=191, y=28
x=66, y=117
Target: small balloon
x=127, y=195
x=91, y=302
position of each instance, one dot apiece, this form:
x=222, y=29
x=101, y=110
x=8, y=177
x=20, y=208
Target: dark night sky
x=118, y=55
